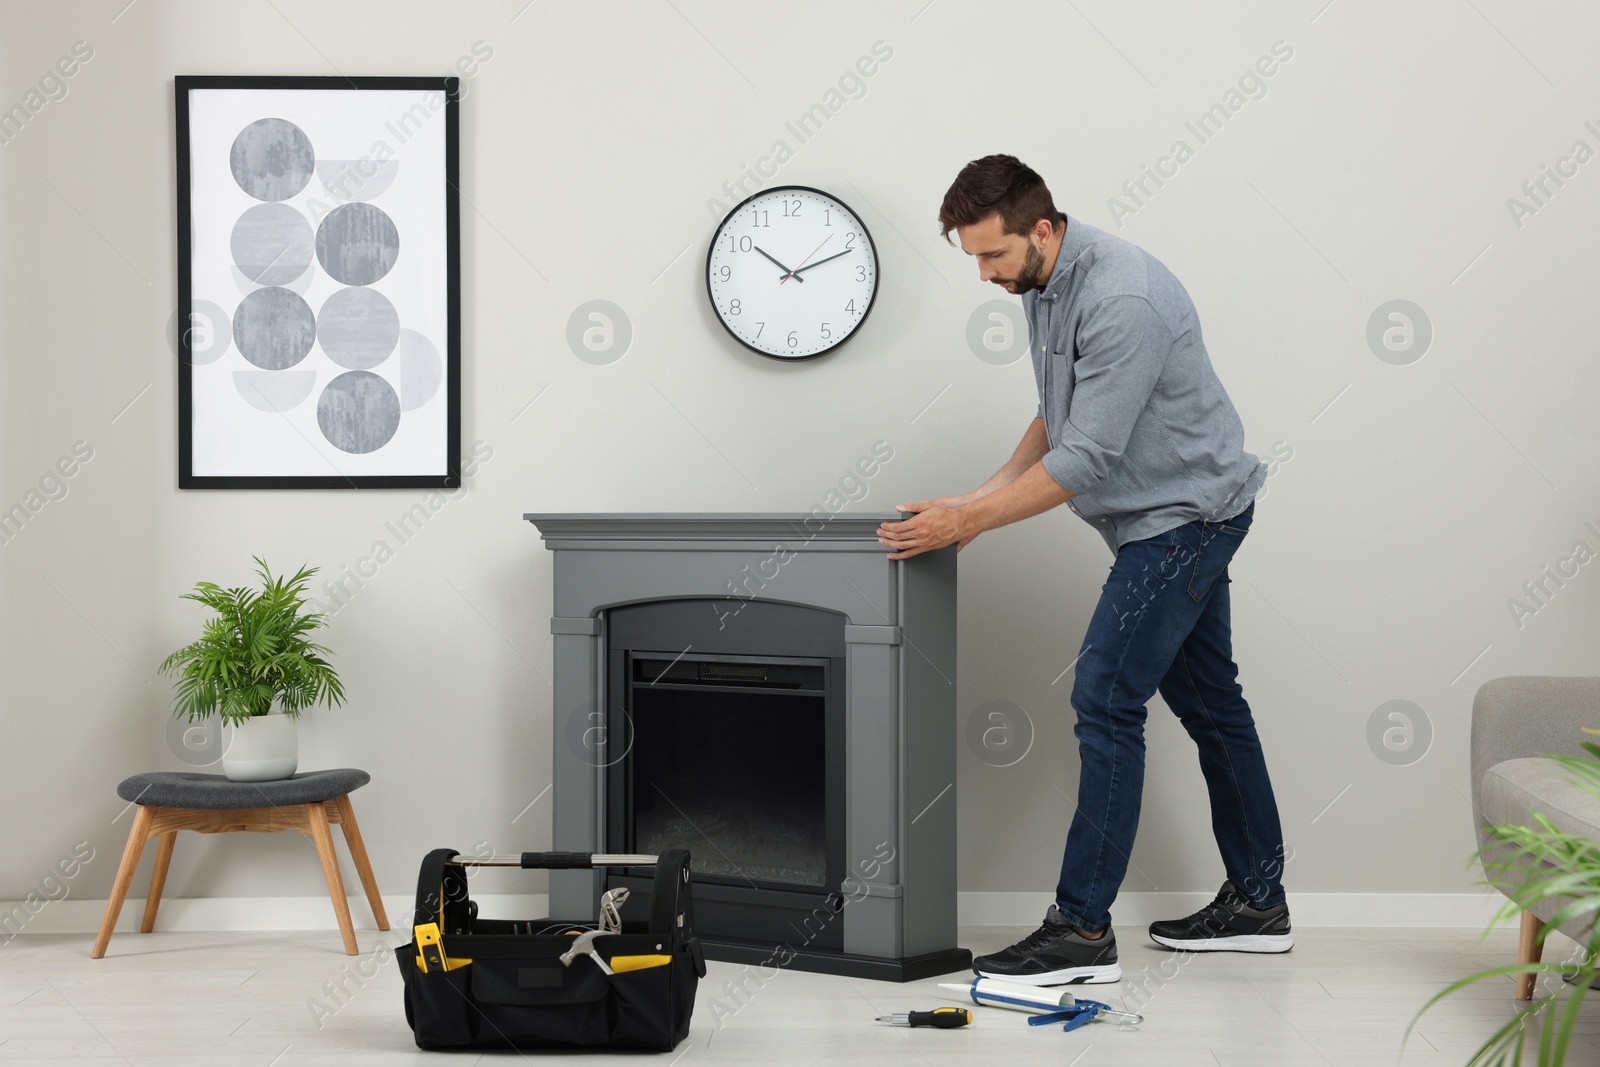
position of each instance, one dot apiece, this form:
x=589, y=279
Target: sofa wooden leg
x=1529, y=950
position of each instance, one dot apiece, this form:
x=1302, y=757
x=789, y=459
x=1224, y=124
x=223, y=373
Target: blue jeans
x=1163, y=624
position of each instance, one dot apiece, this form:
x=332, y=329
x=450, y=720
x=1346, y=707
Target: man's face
x=1012, y=260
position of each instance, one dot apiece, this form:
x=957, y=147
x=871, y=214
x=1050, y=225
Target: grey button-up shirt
x=1140, y=428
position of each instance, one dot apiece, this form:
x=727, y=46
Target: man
x=1134, y=433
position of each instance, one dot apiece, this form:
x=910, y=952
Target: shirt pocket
x=1063, y=370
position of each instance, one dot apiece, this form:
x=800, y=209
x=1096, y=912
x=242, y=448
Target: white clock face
x=792, y=272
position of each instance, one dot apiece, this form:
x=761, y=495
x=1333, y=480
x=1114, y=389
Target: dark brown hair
x=997, y=184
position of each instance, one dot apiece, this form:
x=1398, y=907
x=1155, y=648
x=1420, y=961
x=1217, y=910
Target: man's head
x=1005, y=216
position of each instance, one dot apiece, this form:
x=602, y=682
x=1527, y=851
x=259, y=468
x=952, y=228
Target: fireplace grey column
x=899, y=620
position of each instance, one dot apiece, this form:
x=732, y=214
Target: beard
x=1030, y=276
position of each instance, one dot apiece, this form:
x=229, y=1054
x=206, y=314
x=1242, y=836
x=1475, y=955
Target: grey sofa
x=1515, y=720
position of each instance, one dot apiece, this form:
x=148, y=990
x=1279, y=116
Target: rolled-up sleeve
x=1123, y=346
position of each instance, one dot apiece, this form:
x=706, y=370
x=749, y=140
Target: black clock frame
x=877, y=268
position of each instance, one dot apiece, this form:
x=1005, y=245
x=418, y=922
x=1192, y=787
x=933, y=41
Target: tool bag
x=474, y=983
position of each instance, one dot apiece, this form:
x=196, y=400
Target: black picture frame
x=449, y=376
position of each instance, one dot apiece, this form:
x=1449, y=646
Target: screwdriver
x=943, y=1018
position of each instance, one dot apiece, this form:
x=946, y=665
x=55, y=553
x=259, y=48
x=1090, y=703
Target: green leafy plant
x=1535, y=864
x=253, y=652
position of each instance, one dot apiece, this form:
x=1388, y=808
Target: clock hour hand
x=787, y=273
x=819, y=263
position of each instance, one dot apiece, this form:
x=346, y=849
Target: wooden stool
x=309, y=802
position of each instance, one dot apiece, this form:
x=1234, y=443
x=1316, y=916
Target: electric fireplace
x=774, y=694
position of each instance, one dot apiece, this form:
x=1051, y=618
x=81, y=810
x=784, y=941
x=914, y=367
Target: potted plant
x=1535, y=864
x=254, y=654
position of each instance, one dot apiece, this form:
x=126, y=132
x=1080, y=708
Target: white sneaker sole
x=1111, y=972
x=1238, y=943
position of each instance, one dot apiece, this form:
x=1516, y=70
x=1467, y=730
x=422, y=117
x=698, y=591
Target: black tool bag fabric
x=515, y=993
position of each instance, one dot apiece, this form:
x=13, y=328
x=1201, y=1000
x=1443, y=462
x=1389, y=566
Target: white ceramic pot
x=264, y=749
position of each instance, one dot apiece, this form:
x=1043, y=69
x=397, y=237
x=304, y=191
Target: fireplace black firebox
x=736, y=754
x=776, y=695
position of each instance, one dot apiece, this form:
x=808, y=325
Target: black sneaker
x=1227, y=924
x=1054, y=954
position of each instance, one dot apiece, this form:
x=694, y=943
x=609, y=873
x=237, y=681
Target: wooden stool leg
x=358, y=853
x=323, y=836
x=1529, y=950
x=158, y=879
x=119, y=888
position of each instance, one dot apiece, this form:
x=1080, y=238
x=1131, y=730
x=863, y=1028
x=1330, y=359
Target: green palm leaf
x=253, y=652
x=1534, y=865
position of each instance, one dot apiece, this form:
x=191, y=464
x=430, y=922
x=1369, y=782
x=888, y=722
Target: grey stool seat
x=310, y=803
x=213, y=792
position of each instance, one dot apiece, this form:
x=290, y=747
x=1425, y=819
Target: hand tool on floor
x=1035, y=999
x=943, y=1018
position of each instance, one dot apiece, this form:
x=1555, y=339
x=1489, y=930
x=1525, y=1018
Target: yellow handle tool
x=430, y=950
x=619, y=964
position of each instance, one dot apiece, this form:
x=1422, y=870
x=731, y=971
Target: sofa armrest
x=1528, y=715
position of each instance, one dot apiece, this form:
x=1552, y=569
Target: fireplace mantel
x=690, y=527
x=898, y=621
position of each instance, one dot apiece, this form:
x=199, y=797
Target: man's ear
x=1041, y=233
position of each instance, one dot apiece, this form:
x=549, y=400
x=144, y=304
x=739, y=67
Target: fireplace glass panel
x=736, y=776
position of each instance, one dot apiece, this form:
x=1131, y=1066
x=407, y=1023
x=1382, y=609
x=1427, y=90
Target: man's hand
x=934, y=525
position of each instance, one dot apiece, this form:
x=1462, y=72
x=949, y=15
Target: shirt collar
x=1073, y=242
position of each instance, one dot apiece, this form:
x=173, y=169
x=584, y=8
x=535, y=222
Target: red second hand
x=803, y=262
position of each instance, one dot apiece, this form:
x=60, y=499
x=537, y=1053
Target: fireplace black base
x=848, y=964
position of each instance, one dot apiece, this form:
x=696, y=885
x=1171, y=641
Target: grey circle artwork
x=358, y=412
x=1399, y=732
x=357, y=179
x=274, y=390
x=421, y=370
x=997, y=333
x=1000, y=733
x=272, y=159
x=210, y=333
x=357, y=244
x=599, y=332
x=271, y=244
x=1399, y=332
x=358, y=327
x=274, y=328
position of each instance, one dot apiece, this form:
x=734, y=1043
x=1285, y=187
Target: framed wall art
x=318, y=283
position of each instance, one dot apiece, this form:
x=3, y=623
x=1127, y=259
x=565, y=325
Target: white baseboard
x=247, y=913
x=1132, y=910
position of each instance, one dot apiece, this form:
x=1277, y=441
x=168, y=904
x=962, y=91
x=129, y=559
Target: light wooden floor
x=224, y=999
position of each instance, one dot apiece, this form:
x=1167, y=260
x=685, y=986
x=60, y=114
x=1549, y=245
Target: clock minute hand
x=787, y=273
x=820, y=262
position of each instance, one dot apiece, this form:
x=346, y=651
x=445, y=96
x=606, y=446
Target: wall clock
x=792, y=272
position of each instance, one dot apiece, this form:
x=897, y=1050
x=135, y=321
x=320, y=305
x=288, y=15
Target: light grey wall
x=1377, y=166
